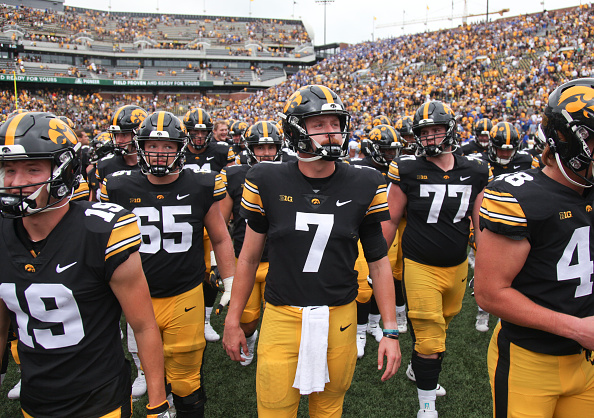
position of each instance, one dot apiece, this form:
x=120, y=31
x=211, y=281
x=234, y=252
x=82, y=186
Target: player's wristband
x=158, y=411
x=391, y=333
x=213, y=259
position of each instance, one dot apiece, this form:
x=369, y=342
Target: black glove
x=214, y=279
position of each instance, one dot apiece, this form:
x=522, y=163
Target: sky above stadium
x=349, y=21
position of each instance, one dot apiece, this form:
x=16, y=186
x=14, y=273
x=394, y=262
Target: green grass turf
x=231, y=388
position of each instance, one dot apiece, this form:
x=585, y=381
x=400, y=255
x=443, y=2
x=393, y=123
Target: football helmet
x=384, y=144
x=38, y=135
x=126, y=120
x=482, y=130
x=161, y=126
x=314, y=100
x=237, y=130
x=568, y=126
x=198, y=120
x=100, y=146
x=431, y=114
x=381, y=120
x=68, y=121
x=404, y=127
x=503, y=137
x=262, y=133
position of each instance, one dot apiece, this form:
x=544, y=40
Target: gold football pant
x=434, y=296
x=252, y=308
x=529, y=384
x=278, y=351
x=397, y=264
x=181, y=321
x=365, y=290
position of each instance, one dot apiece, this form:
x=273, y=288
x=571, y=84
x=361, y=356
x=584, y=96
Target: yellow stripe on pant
x=278, y=351
x=529, y=384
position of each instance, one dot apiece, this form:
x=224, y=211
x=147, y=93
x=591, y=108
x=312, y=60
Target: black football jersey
x=111, y=164
x=439, y=204
x=557, y=274
x=171, y=220
x=471, y=147
x=312, y=236
x=216, y=155
x=522, y=161
x=234, y=178
x=367, y=161
x=66, y=315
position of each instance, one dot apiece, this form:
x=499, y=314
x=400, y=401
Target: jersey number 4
x=583, y=269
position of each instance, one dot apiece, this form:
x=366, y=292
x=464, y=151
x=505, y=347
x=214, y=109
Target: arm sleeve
x=124, y=240
x=373, y=242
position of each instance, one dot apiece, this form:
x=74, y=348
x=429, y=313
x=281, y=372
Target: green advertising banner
x=103, y=82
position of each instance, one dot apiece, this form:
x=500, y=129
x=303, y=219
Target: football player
x=539, y=358
x=480, y=143
x=237, y=130
x=503, y=151
x=174, y=206
x=404, y=127
x=125, y=121
x=67, y=303
x=504, y=156
x=205, y=154
x=220, y=131
x=312, y=222
x=384, y=144
x=439, y=192
x=263, y=143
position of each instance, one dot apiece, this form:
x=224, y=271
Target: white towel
x=312, y=366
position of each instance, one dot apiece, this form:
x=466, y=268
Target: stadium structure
x=50, y=44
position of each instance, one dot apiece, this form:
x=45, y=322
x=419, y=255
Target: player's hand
x=585, y=334
x=214, y=279
x=159, y=411
x=389, y=348
x=233, y=339
x=228, y=283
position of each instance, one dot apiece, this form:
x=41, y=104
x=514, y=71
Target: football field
x=231, y=388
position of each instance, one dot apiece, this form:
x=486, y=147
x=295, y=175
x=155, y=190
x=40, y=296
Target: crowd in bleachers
x=169, y=31
x=504, y=70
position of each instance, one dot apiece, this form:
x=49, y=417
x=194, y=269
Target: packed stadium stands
x=504, y=69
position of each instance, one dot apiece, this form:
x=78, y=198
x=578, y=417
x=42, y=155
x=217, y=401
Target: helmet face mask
x=37, y=136
x=433, y=114
x=384, y=144
x=568, y=127
x=482, y=128
x=237, y=130
x=100, y=146
x=154, y=158
x=503, y=137
x=199, y=126
x=126, y=120
x=262, y=133
x=308, y=102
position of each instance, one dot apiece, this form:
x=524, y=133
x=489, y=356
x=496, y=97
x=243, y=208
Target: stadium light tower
x=324, y=2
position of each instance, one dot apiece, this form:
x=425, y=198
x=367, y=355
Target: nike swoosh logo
x=339, y=203
x=343, y=328
x=182, y=197
x=61, y=269
x=189, y=309
x=209, y=158
x=464, y=178
x=516, y=167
